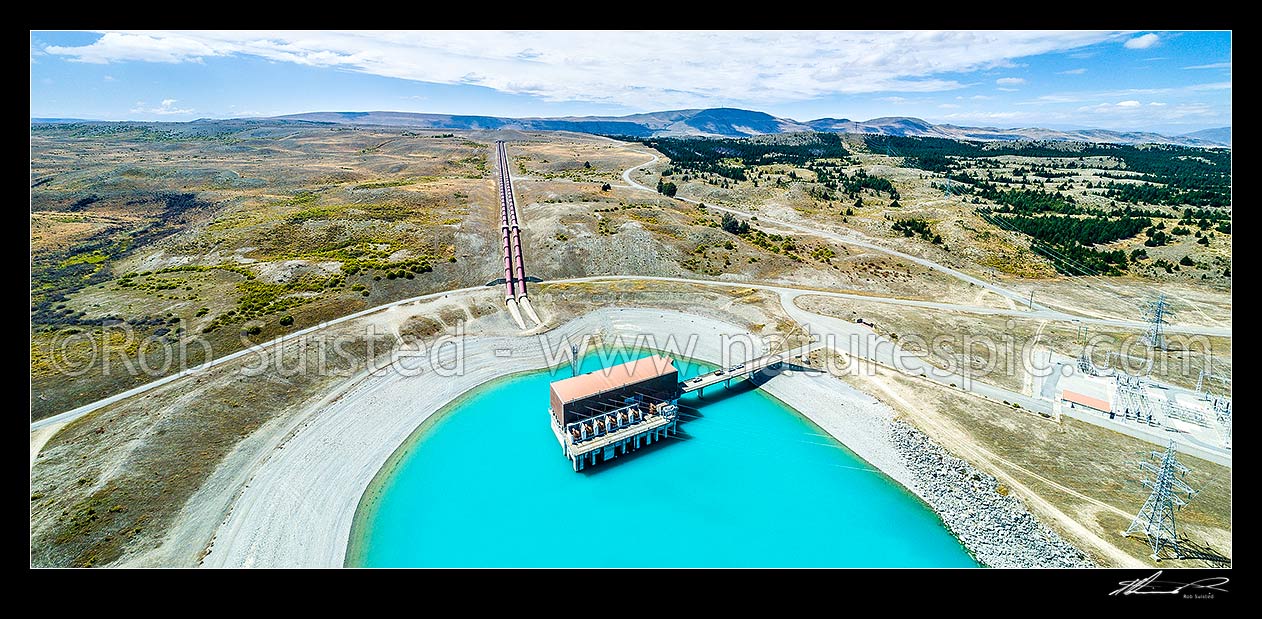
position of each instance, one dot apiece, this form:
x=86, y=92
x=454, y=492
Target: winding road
x=849, y=239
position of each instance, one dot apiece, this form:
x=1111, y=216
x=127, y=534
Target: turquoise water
x=748, y=483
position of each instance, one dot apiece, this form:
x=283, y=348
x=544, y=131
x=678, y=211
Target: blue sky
x=1172, y=82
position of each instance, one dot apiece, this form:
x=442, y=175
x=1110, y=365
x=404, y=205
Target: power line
x=1050, y=253
x=1043, y=247
x=1088, y=272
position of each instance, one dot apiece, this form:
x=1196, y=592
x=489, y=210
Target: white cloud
x=109, y=78
x=1125, y=114
x=1010, y=81
x=1143, y=41
x=948, y=106
x=1008, y=89
x=1078, y=71
x=117, y=47
x=166, y=108
x=647, y=69
x=1215, y=65
x=1130, y=105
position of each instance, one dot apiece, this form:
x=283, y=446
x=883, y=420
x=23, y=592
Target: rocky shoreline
x=996, y=528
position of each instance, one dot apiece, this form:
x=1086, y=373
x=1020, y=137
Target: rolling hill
x=731, y=122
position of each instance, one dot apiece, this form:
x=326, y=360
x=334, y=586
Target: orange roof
x=1086, y=400
x=599, y=381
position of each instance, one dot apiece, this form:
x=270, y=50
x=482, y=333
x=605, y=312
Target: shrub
x=286, y=321
x=734, y=226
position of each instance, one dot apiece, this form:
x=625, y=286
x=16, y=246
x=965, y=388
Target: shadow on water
x=632, y=456
x=691, y=409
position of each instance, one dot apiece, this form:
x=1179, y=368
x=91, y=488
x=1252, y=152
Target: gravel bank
x=997, y=529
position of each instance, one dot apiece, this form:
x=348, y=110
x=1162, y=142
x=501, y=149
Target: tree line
x=728, y=157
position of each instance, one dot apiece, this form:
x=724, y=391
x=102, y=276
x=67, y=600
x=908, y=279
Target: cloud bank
x=647, y=70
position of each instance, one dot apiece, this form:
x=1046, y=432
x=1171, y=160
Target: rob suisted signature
x=1150, y=585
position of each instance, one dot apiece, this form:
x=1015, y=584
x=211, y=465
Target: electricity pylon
x=1156, y=313
x=1084, y=359
x=1156, y=518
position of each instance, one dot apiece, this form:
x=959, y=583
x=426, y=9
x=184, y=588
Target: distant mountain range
x=731, y=122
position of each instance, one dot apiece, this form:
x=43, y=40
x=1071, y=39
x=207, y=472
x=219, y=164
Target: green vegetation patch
x=1171, y=175
x=384, y=184
x=729, y=157
x=913, y=227
x=1066, y=239
x=381, y=211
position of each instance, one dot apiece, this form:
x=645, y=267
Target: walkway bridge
x=742, y=370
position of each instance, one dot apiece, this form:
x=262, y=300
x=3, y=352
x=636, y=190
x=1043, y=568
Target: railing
x=612, y=421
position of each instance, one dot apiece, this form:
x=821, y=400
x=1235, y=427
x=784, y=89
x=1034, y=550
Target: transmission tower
x=1156, y=518
x=1156, y=313
x=1084, y=360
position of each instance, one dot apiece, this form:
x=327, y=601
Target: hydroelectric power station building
x=607, y=412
